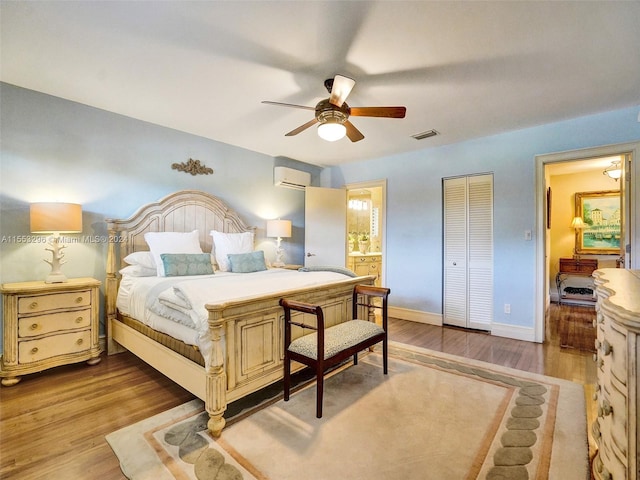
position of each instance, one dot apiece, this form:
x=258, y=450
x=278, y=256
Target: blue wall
x=56, y=150
x=414, y=206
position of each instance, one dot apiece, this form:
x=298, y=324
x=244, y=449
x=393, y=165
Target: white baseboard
x=513, y=331
x=416, y=316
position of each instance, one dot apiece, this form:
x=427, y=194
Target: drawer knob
x=79, y=341
x=79, y=320
x=606, y=348
x=595, y=357
x=597, y=344
x=34, y=350
x=34, y=326
x=79, y=300
x=33, y=305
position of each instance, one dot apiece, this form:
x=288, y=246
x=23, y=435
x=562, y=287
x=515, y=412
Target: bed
x=237, y=347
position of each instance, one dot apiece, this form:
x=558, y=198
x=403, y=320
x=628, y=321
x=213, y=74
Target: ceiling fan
x=333, y=113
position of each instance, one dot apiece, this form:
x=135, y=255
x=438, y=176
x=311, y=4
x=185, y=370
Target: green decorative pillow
x=247, y=262
x=182, y=264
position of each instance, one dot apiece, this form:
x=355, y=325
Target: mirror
x=363, y=219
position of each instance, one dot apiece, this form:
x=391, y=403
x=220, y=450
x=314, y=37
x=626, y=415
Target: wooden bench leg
x=287, y=377
x=385, y=355
x=319, y=391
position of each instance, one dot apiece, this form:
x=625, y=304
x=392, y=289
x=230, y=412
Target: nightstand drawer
x=64, y=344
x=54, y=301
x=54, y=322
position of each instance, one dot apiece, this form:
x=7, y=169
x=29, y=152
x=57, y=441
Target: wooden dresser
x=48, y=324
x=615, y=430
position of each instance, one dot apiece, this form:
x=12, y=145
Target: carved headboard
x=182, y=211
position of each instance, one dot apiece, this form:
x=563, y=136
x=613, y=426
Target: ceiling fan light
x=331, y=131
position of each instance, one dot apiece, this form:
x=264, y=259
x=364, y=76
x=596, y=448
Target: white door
x=325, y=226
x=468, y=252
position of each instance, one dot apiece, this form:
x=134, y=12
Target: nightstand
x=48, y=324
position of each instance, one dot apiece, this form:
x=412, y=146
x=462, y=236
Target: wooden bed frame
x=247, y=335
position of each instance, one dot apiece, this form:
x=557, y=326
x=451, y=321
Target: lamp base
x=56, y=277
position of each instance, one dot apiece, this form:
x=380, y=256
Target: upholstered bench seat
x=336, y=339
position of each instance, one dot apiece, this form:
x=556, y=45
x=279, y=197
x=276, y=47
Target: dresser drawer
x=367, y=259
x=616, y=341
x=63, y=344
x=53, y=322
x=53, y=301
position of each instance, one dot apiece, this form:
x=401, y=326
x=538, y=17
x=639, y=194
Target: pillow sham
x=181, y=264
x=144, y=259
x=247, y=262
x=139, y=271
x=171, y=242
x=230, y=243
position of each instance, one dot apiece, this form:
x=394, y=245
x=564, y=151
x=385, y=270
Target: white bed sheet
x=135, y=294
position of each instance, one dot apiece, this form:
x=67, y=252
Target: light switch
x=527, y=234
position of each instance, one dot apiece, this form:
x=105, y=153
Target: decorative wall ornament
x=194, y=167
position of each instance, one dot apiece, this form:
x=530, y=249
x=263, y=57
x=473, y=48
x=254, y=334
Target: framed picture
x=600, y=212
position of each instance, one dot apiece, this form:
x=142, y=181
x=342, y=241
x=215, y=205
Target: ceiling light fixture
x=613, y=171
x=332, y=130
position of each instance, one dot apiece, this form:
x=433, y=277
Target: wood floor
x=53, y=424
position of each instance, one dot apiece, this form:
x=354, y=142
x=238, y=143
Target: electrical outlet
x=507, y=308
x=527, y=234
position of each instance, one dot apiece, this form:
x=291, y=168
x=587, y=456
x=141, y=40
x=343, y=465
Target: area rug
x=434, y=416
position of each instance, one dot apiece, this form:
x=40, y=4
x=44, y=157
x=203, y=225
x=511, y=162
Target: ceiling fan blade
x=387, y=112
x=301, y=128
x=352, y=132
x=340, y=90
x=288, y=105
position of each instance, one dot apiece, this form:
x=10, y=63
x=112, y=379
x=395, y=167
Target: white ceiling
x=466, y=69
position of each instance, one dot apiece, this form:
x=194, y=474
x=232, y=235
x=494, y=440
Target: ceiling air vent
x=427, y=134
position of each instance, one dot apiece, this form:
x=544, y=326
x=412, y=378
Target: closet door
x=468, y=251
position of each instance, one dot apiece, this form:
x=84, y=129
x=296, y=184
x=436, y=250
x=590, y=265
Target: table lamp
x=280, y=229
x=55, y=218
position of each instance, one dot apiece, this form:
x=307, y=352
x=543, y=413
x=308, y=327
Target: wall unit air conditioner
x=291, y=178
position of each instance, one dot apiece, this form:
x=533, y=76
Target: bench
x=327, y=347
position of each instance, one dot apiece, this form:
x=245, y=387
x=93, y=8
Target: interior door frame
x=633, y=228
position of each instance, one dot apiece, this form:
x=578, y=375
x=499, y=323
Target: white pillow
x=171, y=242
x=144, y=259
x=226, y=243
x=139, y=271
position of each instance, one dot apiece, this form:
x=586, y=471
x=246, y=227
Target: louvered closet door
x=468, y=252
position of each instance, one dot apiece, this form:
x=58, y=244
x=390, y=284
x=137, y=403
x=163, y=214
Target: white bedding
x=176, y=305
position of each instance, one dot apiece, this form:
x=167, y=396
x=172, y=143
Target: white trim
x=634, y=226
x=416, y=316
x=513, y=331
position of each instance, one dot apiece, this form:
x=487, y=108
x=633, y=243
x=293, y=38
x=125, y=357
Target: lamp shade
x=577, y=223
x=279, y=228
x=55, y=217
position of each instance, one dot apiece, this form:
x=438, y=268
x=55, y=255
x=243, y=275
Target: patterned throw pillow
x=247, y=262
x=182, y=264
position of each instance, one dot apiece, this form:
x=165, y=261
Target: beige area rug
x=434, y=416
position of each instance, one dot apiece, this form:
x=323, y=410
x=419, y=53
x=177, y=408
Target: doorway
x=366, y=226
x=546, y=198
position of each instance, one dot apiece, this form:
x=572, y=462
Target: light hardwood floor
x=53, y=424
